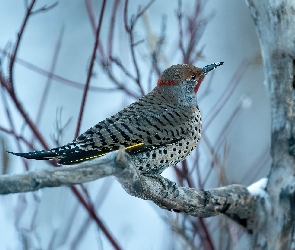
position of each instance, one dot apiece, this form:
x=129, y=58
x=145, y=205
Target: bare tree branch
x=55, y=177
x=235, y=201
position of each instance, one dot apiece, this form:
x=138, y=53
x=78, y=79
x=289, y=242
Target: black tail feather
x=37, y=155
x=74, y=153
x=65, y=155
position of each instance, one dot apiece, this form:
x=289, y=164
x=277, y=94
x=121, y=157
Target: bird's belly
x=157, y=160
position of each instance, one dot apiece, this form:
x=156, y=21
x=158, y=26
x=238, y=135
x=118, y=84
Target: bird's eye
x=193, y=77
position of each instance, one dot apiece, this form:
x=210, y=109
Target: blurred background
x=43, y=77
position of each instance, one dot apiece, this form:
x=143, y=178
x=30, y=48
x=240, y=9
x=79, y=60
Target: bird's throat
x=198, y=84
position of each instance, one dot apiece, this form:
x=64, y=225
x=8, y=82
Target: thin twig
x=90, y=8
x=16, y=47
x=58, y=78
x=120, y=86
x=44, y=144
x=100, y=198
x=184, y=174
x=89, y=75
x=11, y=124
x=112, y=28
x=27, y=119
x=120, y=65
x=130, y=29
x=179, y=15
x=18, y=137
x=208, y=235
x=98, y=221
x=214, y=157
x=90, y=207
x=44, y=8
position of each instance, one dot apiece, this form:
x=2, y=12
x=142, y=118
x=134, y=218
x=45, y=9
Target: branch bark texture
x=235, y=201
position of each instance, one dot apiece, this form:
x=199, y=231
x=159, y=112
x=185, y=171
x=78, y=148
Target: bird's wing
x=138, y=129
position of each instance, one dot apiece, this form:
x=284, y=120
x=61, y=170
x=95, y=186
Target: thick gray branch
x=275, y=24
x=234, y=200
x=60, y=176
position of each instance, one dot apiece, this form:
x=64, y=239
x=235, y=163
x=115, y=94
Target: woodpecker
x=158, y=130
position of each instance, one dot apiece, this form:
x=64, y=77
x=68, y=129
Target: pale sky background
x=137, y=224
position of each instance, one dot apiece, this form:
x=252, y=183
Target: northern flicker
x=158, y=130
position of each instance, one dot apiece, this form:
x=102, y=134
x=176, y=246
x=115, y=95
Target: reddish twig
x=100, y=198
x=178, y=175
x=159, y=47
x=214, y=157
x=58, y=78
x=16, y=47
x=80, y=233
x=89, y=75
x=117, y=62
x=196, y=166
x=96, y=218
x=195, y=29
x=27, y=119
x=11, y=123
x=208, y=242
x=34, y=129
x=129, y=29
x=217, y=107
x=182, y=175
x=179, y=15
x=195, y=26
x=89, y=8
x=17, y=137
x=112, y=28
x=120, y=86
x=44, y=8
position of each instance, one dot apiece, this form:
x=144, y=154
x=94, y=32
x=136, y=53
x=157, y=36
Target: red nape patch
x=198, y=84
x=165, y=82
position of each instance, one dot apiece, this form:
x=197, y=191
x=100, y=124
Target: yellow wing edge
x=96, y=156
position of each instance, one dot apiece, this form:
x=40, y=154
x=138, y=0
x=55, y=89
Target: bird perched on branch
x=158, y=130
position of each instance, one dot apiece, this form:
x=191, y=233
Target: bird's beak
x=206, y=69
x=210, y=67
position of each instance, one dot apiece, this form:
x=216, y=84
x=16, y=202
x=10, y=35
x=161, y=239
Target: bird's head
x=184, y=80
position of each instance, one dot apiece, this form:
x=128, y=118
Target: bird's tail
x=69, y=154
x=38, y=155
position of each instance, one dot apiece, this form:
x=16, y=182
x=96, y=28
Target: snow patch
x=258, y=188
